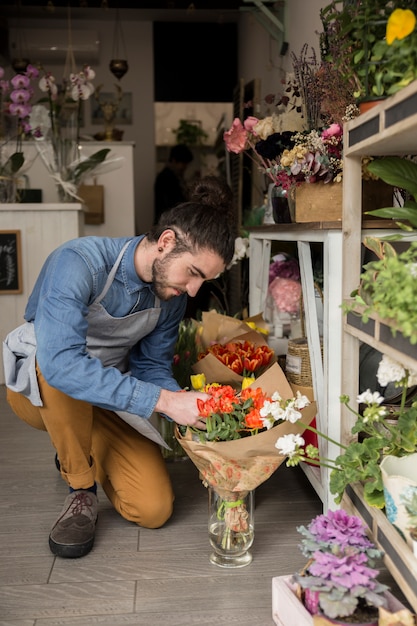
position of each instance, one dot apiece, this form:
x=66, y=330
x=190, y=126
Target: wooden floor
x=135, y=576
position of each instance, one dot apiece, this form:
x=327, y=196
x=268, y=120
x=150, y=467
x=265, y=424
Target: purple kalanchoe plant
x=340, y=573
x=334, y=532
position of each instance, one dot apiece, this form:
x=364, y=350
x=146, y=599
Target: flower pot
x=367, y=105
x=323, y=202
x=399, y=476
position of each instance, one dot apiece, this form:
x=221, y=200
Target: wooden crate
x=287, y=610
x=398, y=557
x=320, y=202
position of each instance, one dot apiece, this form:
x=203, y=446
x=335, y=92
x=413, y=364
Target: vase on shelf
x=278, y=198
x=8, y=190
x=231, y=527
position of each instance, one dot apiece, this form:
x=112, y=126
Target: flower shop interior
x=269, y=95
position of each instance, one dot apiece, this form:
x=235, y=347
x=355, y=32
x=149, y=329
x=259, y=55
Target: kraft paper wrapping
x=216, y=372
x=243, y=464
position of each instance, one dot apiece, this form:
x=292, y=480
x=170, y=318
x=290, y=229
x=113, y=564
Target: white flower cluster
x=390, y=371
x=285, y=410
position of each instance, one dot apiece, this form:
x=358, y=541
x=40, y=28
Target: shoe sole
x=66, y=551
x=70, y=552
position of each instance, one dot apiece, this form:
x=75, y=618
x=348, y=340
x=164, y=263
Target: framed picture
x=10, y=262
x=124, y=110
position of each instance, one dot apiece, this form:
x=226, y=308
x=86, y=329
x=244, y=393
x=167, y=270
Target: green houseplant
x=374, y=438
x=378, y=290
x=373, y=43
x=400, y=172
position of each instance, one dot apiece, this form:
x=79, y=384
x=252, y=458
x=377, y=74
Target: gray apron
x=111, y=338
x=108, y=338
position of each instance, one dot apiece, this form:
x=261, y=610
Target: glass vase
x=167, y=430
x=280, y=205
x=231, y=527
x=8, y=190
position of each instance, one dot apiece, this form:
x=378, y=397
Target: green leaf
x=407, y=212
x=396, y=171
x=13, y=164
x=90, y=163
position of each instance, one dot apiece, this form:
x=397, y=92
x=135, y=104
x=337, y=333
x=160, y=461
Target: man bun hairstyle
x=206, y=221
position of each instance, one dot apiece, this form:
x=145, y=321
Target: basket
x=297, y=363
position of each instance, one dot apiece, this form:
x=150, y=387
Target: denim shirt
x=70, y=280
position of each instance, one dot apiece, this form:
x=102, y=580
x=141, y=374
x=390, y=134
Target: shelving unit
x=326, y=373
x=388, y=129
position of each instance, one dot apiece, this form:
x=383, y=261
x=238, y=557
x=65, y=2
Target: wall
x=138, y=81
x=258, y=57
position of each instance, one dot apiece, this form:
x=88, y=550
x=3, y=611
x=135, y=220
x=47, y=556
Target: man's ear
x=167, y=240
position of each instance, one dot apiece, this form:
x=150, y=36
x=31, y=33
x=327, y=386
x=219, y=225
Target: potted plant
x=190, y=133
x=372, y=43
x=378, y=290
x=340, y=579
x=400, y=172
x=375, y=438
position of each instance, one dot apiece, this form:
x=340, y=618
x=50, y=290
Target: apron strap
x=112, y=274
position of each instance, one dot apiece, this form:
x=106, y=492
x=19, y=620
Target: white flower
x=40, y=121
x=241, y=250
x=291, y=414
x=301, y=401
x=268, y=421
x=288, y=445
x=369, y=397
x=273, y=409
x=390, y=371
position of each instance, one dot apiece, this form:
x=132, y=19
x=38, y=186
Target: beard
x=160, y=281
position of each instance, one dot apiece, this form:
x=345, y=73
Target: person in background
x=170, y=187
x=92, y=361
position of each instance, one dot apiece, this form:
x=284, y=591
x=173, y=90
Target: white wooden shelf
x=326, y=372
x=388, y=129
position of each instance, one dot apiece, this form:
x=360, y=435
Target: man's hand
x=181, y=406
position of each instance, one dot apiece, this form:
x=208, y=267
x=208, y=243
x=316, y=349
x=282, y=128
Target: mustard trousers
x=95, y=444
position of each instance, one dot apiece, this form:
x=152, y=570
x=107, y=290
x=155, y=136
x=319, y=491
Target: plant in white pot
x=375, y=438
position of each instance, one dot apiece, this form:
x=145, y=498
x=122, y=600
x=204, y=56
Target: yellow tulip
x=258, y=329
x=198, y=381
x=247, y=381
x=400, y=24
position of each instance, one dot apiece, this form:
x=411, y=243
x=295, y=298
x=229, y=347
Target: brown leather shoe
x=72, y=535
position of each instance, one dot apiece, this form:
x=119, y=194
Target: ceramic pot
x=399, y=476
x=368, y=104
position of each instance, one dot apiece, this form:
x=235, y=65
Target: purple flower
x=284, y=269
x=348, y=571
x=337, y=527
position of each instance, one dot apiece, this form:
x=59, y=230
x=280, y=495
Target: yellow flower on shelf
x=400, y=24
